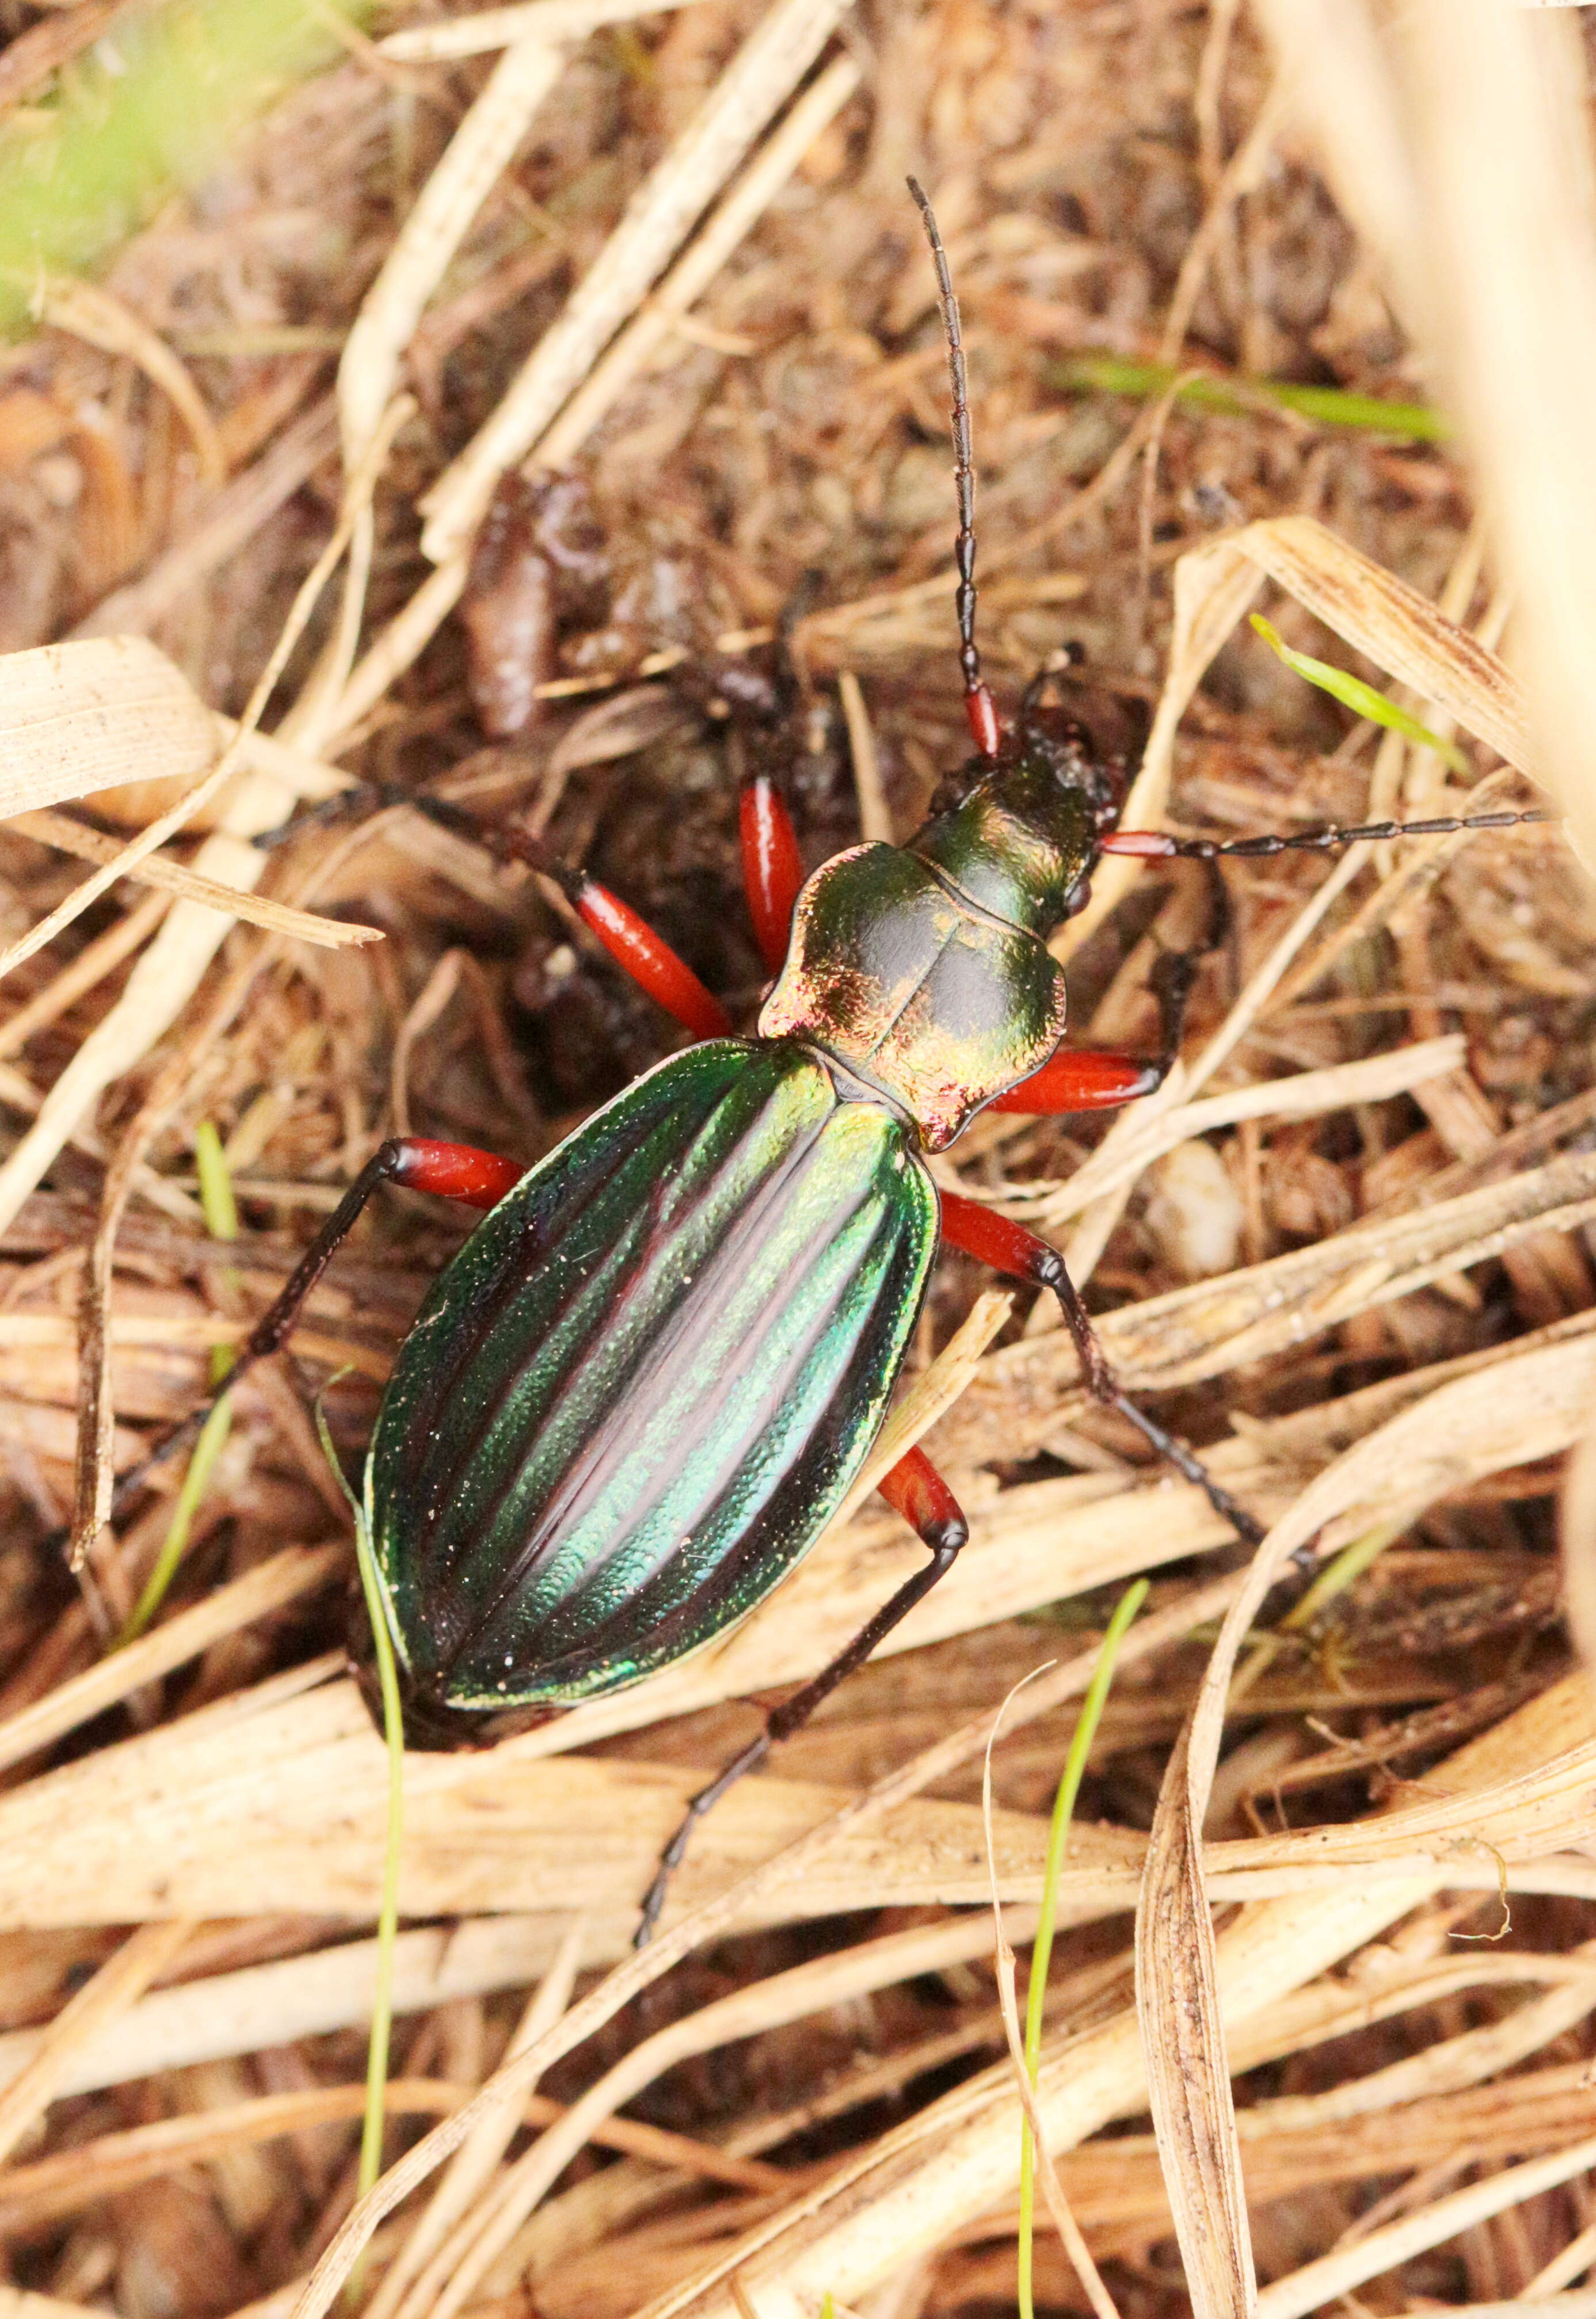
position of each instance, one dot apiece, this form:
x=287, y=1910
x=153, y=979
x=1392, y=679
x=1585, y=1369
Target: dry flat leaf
x=76, y=718
x=925, y=2181
x=1519, y=1410
x=1188, y=2080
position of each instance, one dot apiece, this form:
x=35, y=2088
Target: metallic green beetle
x=638, y=1393
x=641, y=1390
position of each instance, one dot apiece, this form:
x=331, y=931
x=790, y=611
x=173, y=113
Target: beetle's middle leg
x=1007, y=1247
x=915, y=1489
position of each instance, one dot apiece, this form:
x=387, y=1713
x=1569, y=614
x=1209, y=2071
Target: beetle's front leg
x=915, y=1489
x=1007, y=1247
x=1097, y=1079
x=1082, y=1078
x=457, y=1171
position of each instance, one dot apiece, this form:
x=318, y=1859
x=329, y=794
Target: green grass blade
x=221, y=1222
x=1327, y=406
x=216, y=1183
x=1036, y=1987
x=81, y=173
x=207, y=1449
x=1362, y=698
x=382, y=2011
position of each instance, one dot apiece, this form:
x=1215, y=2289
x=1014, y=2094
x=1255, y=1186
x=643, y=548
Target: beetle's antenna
x=978, y=703
x=1157, y=845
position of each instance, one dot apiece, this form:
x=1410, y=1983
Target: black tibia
x=1175, y=972
x=506, y=841
x=1104, y=1386
x=276, y=1325
x=936, y=1516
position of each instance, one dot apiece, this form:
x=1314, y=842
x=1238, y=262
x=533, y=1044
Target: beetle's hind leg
x=1007, y=1247
x=915, y=1489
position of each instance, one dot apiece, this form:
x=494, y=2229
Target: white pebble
x=1194, y=1212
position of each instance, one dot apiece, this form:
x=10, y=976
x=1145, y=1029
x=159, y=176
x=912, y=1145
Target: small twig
x=767, y=67
x=172, y=878
x=497, y=28
x=874, y=820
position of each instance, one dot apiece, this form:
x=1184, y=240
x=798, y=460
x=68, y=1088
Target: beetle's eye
x=1079, y=895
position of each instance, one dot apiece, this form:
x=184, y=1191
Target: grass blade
x=1362, y=698
x=1036, y=1987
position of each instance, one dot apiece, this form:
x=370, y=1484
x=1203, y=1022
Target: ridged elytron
x=635, y=1398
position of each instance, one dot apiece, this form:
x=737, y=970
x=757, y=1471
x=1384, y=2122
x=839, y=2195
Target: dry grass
x=1322, y=2025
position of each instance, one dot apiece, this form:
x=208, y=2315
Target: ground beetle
x=638, y=1393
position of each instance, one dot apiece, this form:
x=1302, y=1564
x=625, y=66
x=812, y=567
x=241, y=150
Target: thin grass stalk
x=382, y=2011
x=221, y=1222
x=1041, y=1953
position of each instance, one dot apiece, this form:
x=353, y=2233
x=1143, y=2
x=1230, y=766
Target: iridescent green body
x=640, y=1391
x=643, y=1386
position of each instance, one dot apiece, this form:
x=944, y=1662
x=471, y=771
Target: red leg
x=1007, y=1247
x=1085, y=1079
x=773, y=871
x=630, y=940
x=1092, y=1079
x=455, y=1170
x=917, y=1490
x=650, y=961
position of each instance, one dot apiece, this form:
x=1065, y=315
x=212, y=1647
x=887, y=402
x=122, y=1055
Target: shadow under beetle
x=637, y=1394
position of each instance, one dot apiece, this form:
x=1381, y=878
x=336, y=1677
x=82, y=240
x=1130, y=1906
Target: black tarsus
x=945, y=1538
x=969, y=657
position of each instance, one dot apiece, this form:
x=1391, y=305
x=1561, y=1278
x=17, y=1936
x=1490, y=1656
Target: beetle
x=636, y=1395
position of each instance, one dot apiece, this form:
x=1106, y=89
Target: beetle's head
x=1021, y=831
